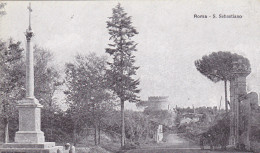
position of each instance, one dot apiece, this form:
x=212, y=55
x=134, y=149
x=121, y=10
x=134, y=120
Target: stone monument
x=237, y=93
x=242, y=106
x=30, y=138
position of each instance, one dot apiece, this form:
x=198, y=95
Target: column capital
x=236, y=74
x=29, y=34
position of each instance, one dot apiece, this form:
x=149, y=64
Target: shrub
x=218, y=134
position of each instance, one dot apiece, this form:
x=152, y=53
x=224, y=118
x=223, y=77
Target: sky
x=170, y=39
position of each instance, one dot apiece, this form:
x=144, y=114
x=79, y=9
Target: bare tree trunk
x=122, y=124
x=94, y=122
x=6, y=130
x=74, y=134
x=99, y=133
x=51, y=118
x=95, y=135
x=220, y=103
x=99, y=123
x=51, y=126
x=6, y=122
x=226, y=103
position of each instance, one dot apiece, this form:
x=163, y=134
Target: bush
x=218, y=134
x=255, y=133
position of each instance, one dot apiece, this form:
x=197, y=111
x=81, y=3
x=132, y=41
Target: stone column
x=29, y=108
x=248, y=128
x=240, y=95
x=248, y=105
x=29, y=66
x=237, y=93
x=232, y=113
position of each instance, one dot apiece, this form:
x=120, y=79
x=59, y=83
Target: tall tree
x=218, y=67
x=122, y=69
x=10, y=80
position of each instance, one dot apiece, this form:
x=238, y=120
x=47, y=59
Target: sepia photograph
x=130, y=76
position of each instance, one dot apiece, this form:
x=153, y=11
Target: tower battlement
x=158, y=98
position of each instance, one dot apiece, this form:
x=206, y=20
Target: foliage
x=47, y=78
x=218, y=134
x=211, y=129
x=2, y=11
x=138, y=127
x=85, y=79
x=111, y=123
x=255, y=133
x=11, y=69
x=10, y=81
x=60, y=128
x=214, y=133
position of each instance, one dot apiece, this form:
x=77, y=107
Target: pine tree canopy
x=219, y=65
x=122, y=69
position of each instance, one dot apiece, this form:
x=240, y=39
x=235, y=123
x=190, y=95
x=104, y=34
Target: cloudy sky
x=170, y=39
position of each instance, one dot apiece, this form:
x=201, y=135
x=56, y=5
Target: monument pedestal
x=29, y=122
x=30, y=138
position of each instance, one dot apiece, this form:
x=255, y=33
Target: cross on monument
x=30, y=10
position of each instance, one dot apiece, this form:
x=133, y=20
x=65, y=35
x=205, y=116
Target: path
x=173, y=141
x=173, y=144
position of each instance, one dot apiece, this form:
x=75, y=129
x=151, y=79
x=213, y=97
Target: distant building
x=155, y=103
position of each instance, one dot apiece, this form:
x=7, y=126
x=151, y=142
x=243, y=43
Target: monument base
x=29, y=122
x=29, y=137
x=46, y=147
